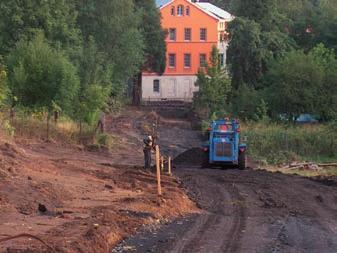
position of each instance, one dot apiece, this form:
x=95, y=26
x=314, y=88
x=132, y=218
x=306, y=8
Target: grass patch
x=278, y=144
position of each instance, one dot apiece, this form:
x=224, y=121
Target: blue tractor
x=223, y=146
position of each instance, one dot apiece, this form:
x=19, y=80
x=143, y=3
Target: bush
x=41, y=77
x=3, y=84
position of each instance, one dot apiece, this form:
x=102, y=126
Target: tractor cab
x=224, y=146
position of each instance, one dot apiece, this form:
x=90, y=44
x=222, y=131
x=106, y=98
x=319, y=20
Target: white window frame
x=169, y=59
x=190, y=31
x=203, y=34
x=190, y=61
x=156, y=82
x=202, y=64
x=172, y=32
x=180, y=10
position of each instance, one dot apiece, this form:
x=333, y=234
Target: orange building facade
x=193, y=28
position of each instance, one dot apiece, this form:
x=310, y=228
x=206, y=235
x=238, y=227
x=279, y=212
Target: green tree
x=24, y=19
x=154, y=36
x=113, y=26
x=3, y=84
x=95, y=85
x=295, y=82
x=154, y=43
x=41, y=77
x=244, y=102
x=327, y=95
x=245, y=53
x=214, y=87
x=263, y=12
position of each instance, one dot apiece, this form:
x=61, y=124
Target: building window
x=173, y=11
x=180, y=10
x=222, y=60
x=156, y=86
x=172, y=34
x=172, y=60
x=188, y=34
x=203, y=34
x=187, y=60
x=202, y=60
x=187, y=10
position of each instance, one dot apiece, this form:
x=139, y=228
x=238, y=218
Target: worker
x=148, y=146
x=101, y=123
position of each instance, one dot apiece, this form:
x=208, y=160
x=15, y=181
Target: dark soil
x=191, y=157
x=248, y=211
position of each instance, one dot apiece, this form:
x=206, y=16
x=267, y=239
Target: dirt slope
x=92, y=199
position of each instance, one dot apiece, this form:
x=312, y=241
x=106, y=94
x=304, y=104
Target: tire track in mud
x=225, y=214
x=234, y=235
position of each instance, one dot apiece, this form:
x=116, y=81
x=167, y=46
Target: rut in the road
x=220, y=228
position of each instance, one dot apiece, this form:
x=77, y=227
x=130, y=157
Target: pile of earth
x=193, y=157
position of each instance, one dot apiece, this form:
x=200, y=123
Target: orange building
x=193, y=28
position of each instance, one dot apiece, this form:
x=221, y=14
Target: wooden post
x=162, y=163
x=158, y=170
x=169, y=166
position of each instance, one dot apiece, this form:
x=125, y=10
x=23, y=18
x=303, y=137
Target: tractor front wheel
x=242, y=161
x=205, y=160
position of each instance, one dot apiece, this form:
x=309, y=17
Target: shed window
x=156, y=86
x=180, y=10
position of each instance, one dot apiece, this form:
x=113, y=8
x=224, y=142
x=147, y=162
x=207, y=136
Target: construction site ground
x=103, y=201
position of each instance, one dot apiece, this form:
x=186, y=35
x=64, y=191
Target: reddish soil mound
x=75, y=202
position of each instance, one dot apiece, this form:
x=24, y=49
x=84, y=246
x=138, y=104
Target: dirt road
x=249, y=211
x=244, y=211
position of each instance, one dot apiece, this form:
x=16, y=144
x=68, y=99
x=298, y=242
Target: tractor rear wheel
x=242, y=161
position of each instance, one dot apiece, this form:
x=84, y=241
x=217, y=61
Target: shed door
x=187, y=89
x=172, y=88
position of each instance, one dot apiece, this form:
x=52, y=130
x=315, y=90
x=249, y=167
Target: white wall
x=171, y=87
x=223, y=46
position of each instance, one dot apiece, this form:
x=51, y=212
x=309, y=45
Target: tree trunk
x=137, y=89
x=56, y=116
x=48, y=126
x=80, y=129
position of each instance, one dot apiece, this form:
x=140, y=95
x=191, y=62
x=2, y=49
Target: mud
x=249, y=211
x=191, y=157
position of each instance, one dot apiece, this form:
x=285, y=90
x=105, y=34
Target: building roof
x=218, y=12
x=209, y=8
